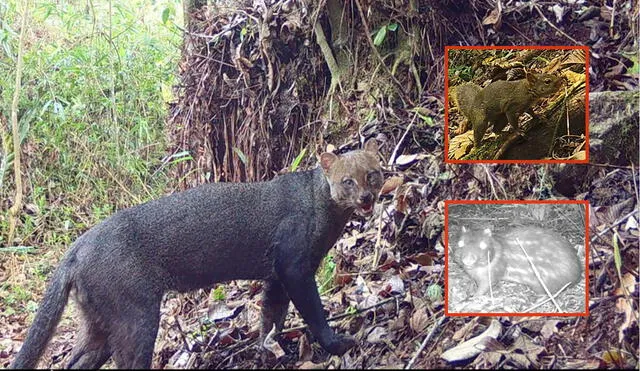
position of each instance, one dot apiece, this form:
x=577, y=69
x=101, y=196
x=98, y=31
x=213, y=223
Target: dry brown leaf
x=460, y=145
x=271, y=344
x=179, y=359
x=573, y=77
x=629, y=283
x=632, y=223
x=402, y=204
x=419, y=320
x=580, y=155
x=559, y=12
x=422, y=259
x=524, y=345
x=520, y=360
x=220, y=310
x=391, y=184
x=488, y=359
x=377, y=335
x=473, y=346
x=394, y=285
x=305, y=353
x=405, y=160
x=550, y=327
x=494, y=18
x=342, y=279
x=308, y=365
x=577, y=56
x=605, y=13
x=398, y=323
x=463, y=331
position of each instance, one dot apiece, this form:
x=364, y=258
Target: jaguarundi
x=277, y=231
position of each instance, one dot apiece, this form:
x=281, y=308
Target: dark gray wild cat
x=277, y=231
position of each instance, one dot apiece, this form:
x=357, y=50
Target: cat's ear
x=371, y=145
x=327, y=160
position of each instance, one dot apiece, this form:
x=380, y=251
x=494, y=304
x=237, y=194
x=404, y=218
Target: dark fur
x=118, y=271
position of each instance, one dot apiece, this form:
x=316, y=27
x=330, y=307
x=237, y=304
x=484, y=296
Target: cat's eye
x=348, y=182
x=374, y=178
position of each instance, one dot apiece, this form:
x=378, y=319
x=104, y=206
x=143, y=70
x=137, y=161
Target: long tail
x=47, y=318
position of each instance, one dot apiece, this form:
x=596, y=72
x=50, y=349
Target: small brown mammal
x=276, y=231
x=554, y=258
x=503, y=101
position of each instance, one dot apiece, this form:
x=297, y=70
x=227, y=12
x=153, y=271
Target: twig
x=234, y=354
x=614, y=224
x=395, y=150
x=547, y=299
x=425, y=341
x=613, y=17
x=535, y=271
x=15, y=131
x=367, y=33
x=4, y=161
x=490, y=179
x=376, y=254
x=554, y=26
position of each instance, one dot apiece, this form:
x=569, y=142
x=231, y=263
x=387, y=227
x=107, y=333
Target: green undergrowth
x=96, y=83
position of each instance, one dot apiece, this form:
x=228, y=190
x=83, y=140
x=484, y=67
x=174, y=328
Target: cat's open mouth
x=365, y=209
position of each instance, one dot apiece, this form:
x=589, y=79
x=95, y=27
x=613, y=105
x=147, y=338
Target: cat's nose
x=366, y=198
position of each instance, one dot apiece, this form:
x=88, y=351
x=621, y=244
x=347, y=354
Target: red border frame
x=446, y=104
x=493, y=314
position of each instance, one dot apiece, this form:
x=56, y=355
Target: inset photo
x=523, y=258
x=517, y=104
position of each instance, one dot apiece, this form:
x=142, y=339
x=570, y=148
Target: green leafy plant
x=326, y=273
x=96, y=83
x=296, y=161
x=241, y=155
x=434, y=292
x=381, y=34
x=168, y=13
x=218, y=293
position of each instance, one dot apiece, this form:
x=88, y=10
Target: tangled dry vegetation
x=260, y=84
